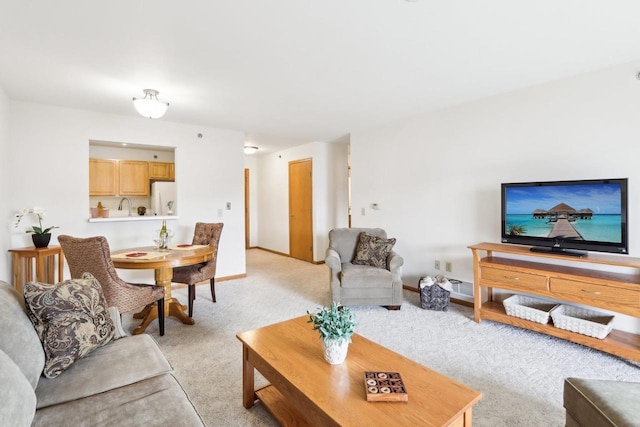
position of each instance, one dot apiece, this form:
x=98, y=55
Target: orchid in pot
x=40, y=235
x=336, y=326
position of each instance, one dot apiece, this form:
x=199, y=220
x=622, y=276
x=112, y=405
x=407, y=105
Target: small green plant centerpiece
x=336, y=326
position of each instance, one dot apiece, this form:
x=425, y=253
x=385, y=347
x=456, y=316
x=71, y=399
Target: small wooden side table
x=45, y=265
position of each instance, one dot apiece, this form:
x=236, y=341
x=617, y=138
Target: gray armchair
x=353, y=284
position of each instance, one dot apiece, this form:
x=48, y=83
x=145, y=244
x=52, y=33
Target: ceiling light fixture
x=150, y=106
x=250, y=149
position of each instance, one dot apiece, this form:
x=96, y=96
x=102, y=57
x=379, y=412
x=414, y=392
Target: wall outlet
x=436, y=265
x=448, y=266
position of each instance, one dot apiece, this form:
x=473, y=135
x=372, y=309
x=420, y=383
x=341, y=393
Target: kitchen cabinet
x=134, y=178
x=103, y=177
x=161, y=171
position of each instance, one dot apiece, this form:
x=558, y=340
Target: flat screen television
x=566, y=217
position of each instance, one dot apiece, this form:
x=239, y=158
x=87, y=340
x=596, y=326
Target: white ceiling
x=302, y=70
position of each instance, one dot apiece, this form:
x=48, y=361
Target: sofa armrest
x=394, y=262
x=332, y=260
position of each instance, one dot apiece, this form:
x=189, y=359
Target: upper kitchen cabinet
x=127, y=169
x=103, y=177
x=161, y=171
x=134, y=178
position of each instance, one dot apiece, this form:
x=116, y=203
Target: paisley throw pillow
x=71, y=319
x=373, y=250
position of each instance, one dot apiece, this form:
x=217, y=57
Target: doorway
x=247, y=223
x=301, y=210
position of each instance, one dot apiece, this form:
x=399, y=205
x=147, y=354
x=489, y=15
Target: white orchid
x=39, y=212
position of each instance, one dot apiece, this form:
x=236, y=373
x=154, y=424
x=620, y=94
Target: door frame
x=247, y=214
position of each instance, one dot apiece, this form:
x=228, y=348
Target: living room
x=436, y=178
x=433, y=174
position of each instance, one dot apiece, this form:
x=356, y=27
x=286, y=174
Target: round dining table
x=162, y=262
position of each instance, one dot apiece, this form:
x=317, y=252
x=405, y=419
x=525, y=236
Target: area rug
x=519, y=373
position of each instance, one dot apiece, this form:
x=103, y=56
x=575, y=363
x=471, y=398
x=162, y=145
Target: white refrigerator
x=163, y=195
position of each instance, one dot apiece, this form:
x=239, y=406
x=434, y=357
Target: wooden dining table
x=162, y=262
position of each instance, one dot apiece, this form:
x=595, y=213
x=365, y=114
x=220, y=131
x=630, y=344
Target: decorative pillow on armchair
x=71, y=319
x=373, y=250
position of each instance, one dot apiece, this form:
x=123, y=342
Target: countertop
x=135, y=218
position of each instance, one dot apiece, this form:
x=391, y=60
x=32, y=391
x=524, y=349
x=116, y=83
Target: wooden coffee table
x=306, y=390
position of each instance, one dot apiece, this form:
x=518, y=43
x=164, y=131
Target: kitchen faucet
x=120, y=205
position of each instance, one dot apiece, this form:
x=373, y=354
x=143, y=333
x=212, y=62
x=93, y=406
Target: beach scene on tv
x=580, y=212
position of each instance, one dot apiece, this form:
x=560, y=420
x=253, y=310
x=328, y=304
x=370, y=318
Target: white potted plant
x=336, y=326
x=41, y=236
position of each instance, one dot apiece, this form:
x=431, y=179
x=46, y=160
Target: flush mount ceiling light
x=150, y=106
x=250, y=149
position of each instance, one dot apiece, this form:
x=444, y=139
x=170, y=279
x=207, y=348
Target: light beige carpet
x=520, y=373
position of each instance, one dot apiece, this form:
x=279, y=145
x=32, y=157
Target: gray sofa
x=601, y=403
x=353, y=284
x=127, y=382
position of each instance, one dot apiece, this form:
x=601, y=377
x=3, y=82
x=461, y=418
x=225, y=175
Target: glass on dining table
x=162, y=243
x=156, y=239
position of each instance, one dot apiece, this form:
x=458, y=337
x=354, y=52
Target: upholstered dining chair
x=363, y=268
x=204, y=234
x=92, y=255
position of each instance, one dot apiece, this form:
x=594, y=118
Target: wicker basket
x=528, y=308
x=582, y=321
x=434, y=297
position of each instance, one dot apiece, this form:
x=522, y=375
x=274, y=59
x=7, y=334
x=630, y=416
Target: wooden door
x=247, y=228
x=300, y=210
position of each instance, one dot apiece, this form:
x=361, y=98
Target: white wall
x=5, y=189
x=329, y=194
x=337, y=208
x=99, y=150
x=437, y=177
x=48, y=148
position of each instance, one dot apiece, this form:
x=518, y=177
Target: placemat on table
x=186, y=247
x=139, y=255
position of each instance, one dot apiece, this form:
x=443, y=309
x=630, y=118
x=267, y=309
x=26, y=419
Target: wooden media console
x=617, y=289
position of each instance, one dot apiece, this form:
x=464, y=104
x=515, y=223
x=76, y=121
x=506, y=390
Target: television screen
x=566, y=216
